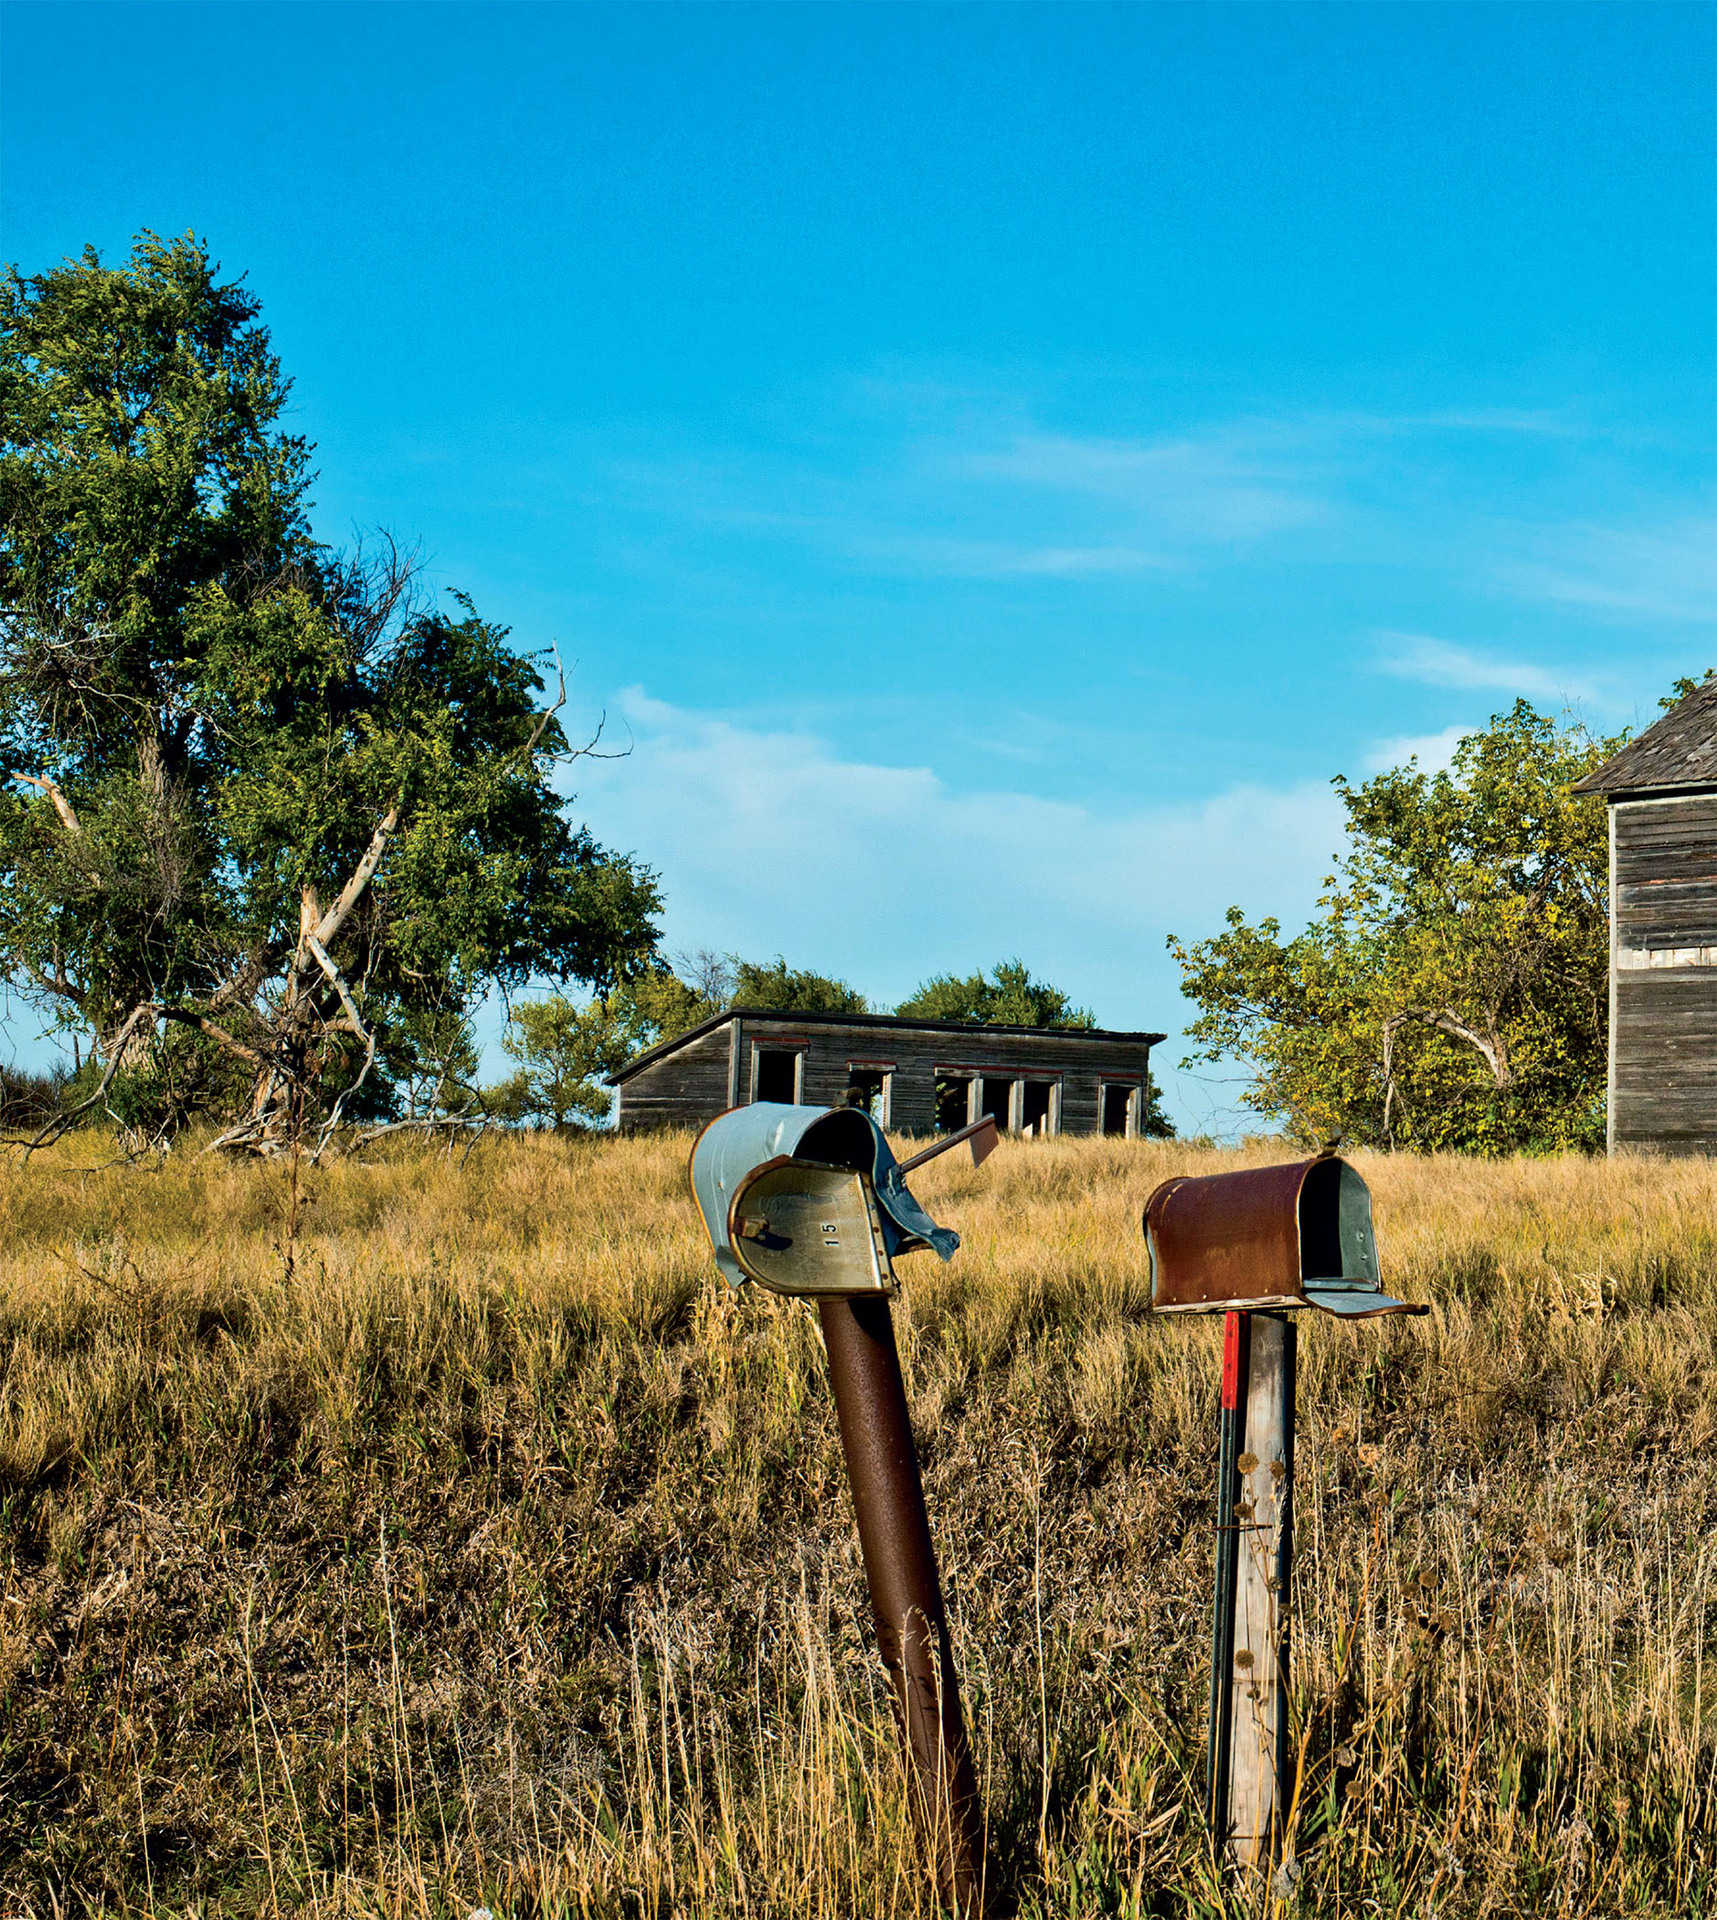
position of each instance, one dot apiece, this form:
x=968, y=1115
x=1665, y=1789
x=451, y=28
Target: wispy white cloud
x=920, y=481
x=1075, y=563
x=1234, y=482
x=1433, y=751
x=1441, y=663
x=1666, y=573
x=770, y=840
x=970, y=498
x=927, y=554
x=1536, y=423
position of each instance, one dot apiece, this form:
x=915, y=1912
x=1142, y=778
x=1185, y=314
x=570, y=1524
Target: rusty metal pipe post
x=905, y=1592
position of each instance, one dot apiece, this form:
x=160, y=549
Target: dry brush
x=426, y=1534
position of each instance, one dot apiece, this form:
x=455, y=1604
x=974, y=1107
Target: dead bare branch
x=549, y=712
x=1490, y=1047
x=452, y=1124
x=335, y=918
x=589, y=751
x=62, y=806
x=62, y=1123
x=190, y=1017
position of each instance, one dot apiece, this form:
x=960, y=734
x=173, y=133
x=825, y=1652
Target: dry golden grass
x=462, y=1544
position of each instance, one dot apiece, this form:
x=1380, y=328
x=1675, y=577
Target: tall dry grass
x=442, y=1536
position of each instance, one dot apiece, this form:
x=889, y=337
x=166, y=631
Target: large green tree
x=565, y=1053
x=265, y=817
x=664, y=1001
x=1452, y=990
x=1005, y=996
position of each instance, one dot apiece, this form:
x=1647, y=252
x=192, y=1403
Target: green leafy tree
x=435, y=1062
x=566, y=1053
x=786, y=989
x=1154, y=1123
x=1006, y=996
x=660, y=1005
x=1680, y=688
x=262, y=813
x=1452, y=991
x=661, y=1002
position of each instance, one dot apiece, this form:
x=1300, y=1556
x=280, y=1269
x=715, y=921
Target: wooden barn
x=1662, y=795
x=916, y=1076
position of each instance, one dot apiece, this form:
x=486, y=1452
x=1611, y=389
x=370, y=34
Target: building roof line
x=883, y=1022
x=1677, y=751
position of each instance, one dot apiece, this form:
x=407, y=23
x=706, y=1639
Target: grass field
x=443, y=1536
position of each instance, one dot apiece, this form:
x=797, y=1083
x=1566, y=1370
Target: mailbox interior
x=1337, y=1241
x=811, y=1231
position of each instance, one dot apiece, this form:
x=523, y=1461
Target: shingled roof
x=1680, y=750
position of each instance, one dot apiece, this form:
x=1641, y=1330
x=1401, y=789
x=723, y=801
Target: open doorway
x=867, y=1087
x=775, y=1075
x=953, y=1101
x=995, y=1099
x=1037, y=1113
x=1120, y=1109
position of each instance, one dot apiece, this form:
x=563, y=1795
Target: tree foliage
x=1006, y=996
x=566, y=1051
x=565, y=1054
x=786, y=989
x=1452, y=991
x=662, y=1002
x=264, y=817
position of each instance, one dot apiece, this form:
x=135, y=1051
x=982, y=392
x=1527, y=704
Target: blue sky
x=992, y=465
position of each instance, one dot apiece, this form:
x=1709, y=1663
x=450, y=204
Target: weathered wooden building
x=1662, y=795
x=916, y=1076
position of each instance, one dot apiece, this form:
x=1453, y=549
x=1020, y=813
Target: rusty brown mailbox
x=1269, y=1237
x=1255, y=1246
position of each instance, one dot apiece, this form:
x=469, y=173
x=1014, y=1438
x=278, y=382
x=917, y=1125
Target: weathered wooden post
x=810, y=1202
x=1255, y=1246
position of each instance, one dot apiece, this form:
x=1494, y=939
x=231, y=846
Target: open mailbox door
x=1298, y=1235
x=807, y=1201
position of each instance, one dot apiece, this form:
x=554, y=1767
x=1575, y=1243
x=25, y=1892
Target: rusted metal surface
x=905, y=1592
x=1230, y=1239
x=981, y=1135
x=1295, y=1235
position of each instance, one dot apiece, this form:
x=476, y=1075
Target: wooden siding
x=686, y=1089
x=1663, y=980
x=690, y=1086
x=1665, y=875
x=1665, y=1061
